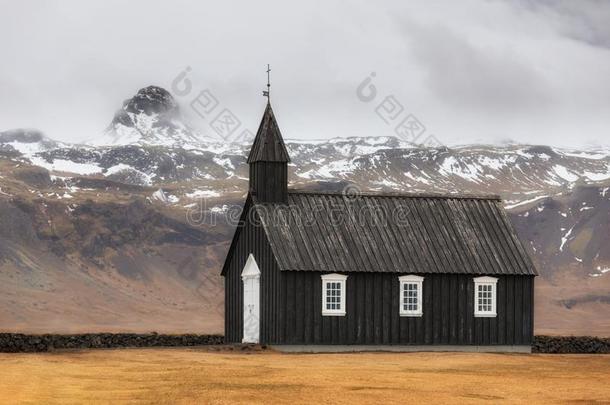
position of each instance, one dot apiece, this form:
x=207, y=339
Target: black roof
x=268, y=144
x=400, y=233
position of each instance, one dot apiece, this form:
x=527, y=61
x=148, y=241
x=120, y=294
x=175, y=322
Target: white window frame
x=334, y=278
x=487, y=281
x=418, y=281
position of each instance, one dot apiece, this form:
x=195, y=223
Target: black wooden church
x=389, y=271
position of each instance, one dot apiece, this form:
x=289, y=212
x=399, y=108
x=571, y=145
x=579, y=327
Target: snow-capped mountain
x=68, y=200
x=27, y=142
x=148, y=143
x=512, y=171
x=151, y=117
x=518, y=172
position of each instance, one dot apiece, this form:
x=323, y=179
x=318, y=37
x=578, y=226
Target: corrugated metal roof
x=268, y=144
x=393, y=233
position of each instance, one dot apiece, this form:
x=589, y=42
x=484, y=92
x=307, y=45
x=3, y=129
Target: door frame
x=251, y=309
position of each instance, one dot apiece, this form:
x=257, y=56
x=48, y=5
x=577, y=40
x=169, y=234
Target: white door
x=251, y=277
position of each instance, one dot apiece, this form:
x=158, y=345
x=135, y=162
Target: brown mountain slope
x=90, y=254
x=569, y=238
x=121, y=263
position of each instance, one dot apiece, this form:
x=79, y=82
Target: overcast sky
x=469, y=71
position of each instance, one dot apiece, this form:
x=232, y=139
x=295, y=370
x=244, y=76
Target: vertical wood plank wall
x=252, y=239
x=373, y=315
x=269, y=180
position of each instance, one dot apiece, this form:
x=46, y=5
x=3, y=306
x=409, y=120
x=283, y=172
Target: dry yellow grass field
x=201, y=376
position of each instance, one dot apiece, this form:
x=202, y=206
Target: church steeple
x=268, y=144
x=268, y=160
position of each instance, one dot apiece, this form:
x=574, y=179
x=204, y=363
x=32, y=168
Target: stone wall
x=15, y=342
x=570, y=344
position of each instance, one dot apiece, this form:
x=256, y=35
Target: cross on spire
x=267, y=93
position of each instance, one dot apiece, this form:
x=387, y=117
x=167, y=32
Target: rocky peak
x=151, y=117
x=151, y=100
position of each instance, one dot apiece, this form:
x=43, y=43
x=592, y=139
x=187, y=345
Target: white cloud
x=470, y=71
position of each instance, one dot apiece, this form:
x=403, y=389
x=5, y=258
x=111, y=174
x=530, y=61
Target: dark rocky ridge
x=17, y=343
x=570, y=344
x=20, y=343
x=151, y=100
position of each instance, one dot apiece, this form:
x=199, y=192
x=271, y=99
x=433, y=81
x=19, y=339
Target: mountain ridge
x=67, y=250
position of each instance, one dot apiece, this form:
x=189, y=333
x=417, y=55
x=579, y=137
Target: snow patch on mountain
x=586, y=155
x=512, y=204
x=417, y=179
x=162, y=196
x=117, y=168
x=600, y=271
x=564, y=173
x=62, y=165
x=122, y=170
x=598, y=176
x=451, y=165
x=565, y=239
x=202, y=194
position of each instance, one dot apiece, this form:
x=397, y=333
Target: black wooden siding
x=372, y=306
x=269, y=181
x=252, y=239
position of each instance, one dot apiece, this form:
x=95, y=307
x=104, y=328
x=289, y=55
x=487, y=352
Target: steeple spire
x=268, y=144
x=268, y=92
x=268, y=159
